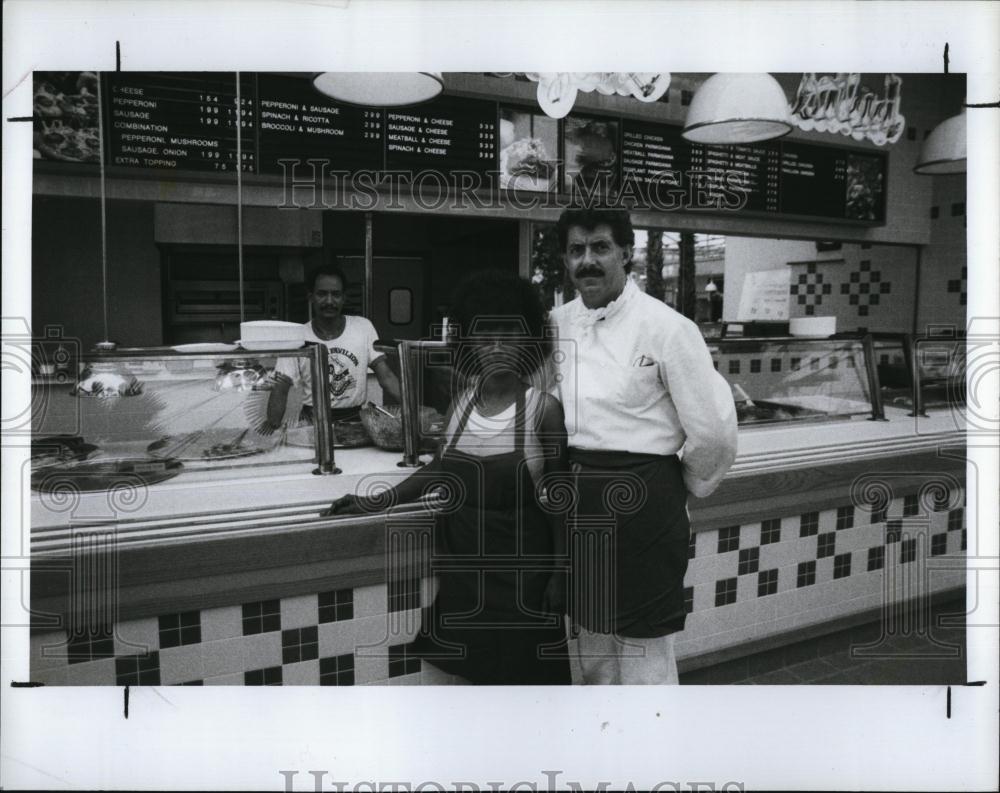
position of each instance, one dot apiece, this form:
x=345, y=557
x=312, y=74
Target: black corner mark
x=948, y=707
x=118, y=56
x=977, y=105
x=946, y=57
x=975, y=683
x=21, y=118
x=126, y=701
x=26, y=684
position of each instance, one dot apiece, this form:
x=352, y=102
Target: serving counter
x=228, y=574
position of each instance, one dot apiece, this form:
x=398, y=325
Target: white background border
x=764, y=737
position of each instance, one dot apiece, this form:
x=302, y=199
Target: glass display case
x=786, y=380
x=147, y=415
x=923, y=371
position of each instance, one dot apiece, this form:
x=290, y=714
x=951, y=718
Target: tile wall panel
x=224, y=654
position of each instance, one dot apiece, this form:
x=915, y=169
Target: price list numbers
x=372, y=125
x=170, y=121
x=487, y=141
x=445, y=135
x=298, y=124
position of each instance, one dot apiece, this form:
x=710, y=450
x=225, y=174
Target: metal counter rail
x=200, y=526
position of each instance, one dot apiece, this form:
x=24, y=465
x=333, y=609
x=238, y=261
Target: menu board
x=655, y=157
x=745, y=177
x=773, y=177
x=187, y=121
x=446, y=134
x=299, y=123
x=179, y=121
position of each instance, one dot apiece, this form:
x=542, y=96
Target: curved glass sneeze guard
x=940, y=364
x=206, y=411
x=795, y=380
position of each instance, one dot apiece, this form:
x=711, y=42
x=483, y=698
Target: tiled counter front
x=771, y=555
x=351, y=636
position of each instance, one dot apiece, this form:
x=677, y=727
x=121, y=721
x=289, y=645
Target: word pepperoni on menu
x=447, y=134
x=297, y=124
x=180, y=121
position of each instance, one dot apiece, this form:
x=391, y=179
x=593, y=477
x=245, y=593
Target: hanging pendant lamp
x=944, y=150
x=105, y=379
x=734, y=108
x=380, y=89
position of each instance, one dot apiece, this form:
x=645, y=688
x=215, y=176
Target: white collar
x=589, y=317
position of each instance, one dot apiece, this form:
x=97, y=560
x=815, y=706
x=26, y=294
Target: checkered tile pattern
x=744, y=582
x=864, y=287
x=790, y=571
x=346, y=637
x=808, y=289
x=960, y=286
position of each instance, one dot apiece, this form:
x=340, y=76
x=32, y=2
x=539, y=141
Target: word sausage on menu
x=445, y=135
x=189, y=122
x=297, y=125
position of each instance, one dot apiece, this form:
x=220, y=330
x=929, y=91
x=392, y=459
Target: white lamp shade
x=944, y=149
x=380, y=89
x=737, y=108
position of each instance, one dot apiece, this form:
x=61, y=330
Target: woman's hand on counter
x=346, y=505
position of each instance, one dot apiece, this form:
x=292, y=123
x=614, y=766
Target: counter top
x=273, y=494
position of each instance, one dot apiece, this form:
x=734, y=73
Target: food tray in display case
x=788, y=380
x=205, y=408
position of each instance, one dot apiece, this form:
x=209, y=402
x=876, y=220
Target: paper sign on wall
x=765, y=296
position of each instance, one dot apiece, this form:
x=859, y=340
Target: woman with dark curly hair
x=497, y=616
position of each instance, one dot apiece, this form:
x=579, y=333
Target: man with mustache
x=649, y=421
x=350, y=341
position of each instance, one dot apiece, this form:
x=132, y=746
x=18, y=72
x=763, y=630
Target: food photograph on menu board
x=64, y=121
x=591, y=152
x=864, y=188
x=529, y=150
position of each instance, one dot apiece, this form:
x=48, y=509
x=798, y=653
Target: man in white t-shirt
x=351, y=344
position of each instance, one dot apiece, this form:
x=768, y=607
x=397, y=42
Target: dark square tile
x=770, y=531
x=729, y=539
x=725, y=591
x=845, y=517
x=806, y=574
x=808, y=524
x=748, y=561
x=767, y=583
x=842, y=565
x=138, y=670
x=826, y=544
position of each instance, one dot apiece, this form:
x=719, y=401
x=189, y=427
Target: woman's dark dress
x=493, y=559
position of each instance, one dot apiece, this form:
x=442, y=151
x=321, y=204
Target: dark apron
x=629, y=539
x=493, y=559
